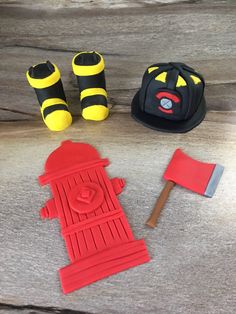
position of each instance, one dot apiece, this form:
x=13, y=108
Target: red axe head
x=194, y=175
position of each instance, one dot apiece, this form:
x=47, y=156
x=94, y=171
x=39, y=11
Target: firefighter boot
x=89, y=70
x=46, y=80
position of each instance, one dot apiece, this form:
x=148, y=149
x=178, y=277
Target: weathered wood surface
x=193, y=249
x=201, y=34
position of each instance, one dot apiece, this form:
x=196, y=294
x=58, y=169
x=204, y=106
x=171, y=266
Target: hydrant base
x=103, y=264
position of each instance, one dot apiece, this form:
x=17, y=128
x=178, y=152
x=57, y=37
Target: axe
x=197, y=176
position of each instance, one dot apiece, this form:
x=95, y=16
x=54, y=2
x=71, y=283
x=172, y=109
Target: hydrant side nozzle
x=49, y=210
x=44, y=213
x=122, y=182
x=118, y=185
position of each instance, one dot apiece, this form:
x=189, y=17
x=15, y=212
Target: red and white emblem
x=166, y=101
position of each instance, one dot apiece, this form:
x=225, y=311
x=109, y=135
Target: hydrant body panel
x=98, y=237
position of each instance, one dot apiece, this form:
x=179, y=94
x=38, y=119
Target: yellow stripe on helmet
x=151, y=69
x=195, y=79
x=180, y=81
x=161, y=77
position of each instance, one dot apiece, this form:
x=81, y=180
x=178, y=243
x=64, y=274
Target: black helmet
x=170, y=98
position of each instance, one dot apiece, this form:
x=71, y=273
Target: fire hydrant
x=97, y=235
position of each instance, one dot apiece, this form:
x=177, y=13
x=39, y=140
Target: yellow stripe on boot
x=45, y=82
x=95, y=113
x=55, y=114
x=92, y=92
x=91, y=69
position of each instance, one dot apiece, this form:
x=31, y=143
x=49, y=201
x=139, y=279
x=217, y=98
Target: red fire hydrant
x=98, y=237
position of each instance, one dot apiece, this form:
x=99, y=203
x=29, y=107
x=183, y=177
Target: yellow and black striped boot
x=45, y=78
x=89, y=70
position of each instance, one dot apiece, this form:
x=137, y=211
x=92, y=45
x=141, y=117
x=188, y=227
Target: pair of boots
x=45, y=78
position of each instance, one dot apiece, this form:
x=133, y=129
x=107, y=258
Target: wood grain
x=89, y=4
x=131, y=38
x=192, y=250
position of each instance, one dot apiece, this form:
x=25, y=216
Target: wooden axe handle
x=152, y=221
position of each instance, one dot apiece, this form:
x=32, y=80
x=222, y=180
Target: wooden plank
x=130, y=38
x=107, y=4
x=141, y=32
x=87, y=4
x=192, y=249
x=32, y=309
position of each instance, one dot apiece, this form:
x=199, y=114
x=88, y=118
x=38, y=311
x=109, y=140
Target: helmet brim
x=164, y=125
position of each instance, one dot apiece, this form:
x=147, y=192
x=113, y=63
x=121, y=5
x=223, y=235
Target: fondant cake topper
x=98, y=237
x=171, y=98
x=89, y=68
x=197, y=176
x=45, y=78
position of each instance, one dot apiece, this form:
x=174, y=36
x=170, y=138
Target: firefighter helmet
x=171, y=98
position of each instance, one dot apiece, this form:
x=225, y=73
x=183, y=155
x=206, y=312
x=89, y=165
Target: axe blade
x=192, y=174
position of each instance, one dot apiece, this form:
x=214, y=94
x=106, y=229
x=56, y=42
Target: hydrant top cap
x=70, y=154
